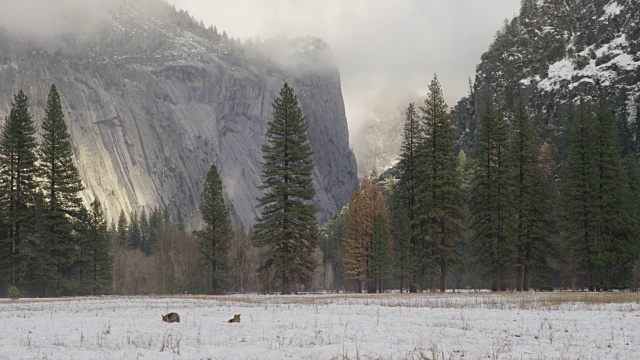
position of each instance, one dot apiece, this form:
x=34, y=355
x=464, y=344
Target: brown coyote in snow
x=236, y=318
x=171, y=317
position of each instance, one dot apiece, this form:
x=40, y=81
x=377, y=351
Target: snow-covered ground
x=390, y=326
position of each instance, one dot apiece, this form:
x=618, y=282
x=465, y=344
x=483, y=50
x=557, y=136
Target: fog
x=386, y=49
x=47, y=19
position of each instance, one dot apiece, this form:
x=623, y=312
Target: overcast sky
x=386, y=49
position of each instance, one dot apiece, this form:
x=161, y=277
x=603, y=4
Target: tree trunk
x=520, y=275
x=443, y=269
x=498, y=279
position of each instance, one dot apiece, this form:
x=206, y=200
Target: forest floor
x=563, y=325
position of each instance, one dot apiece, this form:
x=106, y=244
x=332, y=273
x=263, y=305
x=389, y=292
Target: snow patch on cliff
x=612, y=9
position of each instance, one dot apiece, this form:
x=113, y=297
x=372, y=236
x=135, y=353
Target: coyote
x=171, y=317
x=236, y=318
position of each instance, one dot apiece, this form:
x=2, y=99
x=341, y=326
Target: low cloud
x=49, y=19
x=386, y=50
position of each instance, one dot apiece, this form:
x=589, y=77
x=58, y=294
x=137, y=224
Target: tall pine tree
x=579, y=206
x=18, y=186
x=215, y=238
x=491, y=195
x=408, y=180
x=61, y=185
x=358, y=230
x=617, y=233
x=99, y=270
x=532, y=198
x=403, y=251
x=287, y=224
x=368, y=255
x=441, y=210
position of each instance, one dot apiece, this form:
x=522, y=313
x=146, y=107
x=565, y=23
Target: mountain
x=379, y=139
x=554, y=53
x=153, y=98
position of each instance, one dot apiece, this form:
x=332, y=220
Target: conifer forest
x=243, y=166
x=506, y=216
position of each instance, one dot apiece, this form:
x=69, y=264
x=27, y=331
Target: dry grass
x=620, y=301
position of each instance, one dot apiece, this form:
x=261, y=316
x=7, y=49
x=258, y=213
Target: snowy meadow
x=389, y=326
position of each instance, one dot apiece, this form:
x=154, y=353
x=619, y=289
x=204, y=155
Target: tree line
x=52, y=245
x=510, y=217
x=513, y=217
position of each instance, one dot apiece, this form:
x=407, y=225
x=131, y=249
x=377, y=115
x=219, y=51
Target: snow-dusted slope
x=552, y=54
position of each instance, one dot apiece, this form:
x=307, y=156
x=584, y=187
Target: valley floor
x=389, y=326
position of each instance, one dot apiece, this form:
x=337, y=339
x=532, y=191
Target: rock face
x=552, y=54
x=152, y=99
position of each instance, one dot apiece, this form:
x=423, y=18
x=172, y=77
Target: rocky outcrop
x=554, y=53
x=152, y=99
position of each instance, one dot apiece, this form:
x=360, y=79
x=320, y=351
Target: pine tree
x=331, y=246
x=491, y=195
x=380, y=244
x=366, y=240
x=145, y=233
x=579, y=187
x=155, y=224
x=18, y=186
x=403, y=251
x=62, y=185
x=216, y=236
x=134, y=236
x=358, y=230
x=439, y=193
x=408, y=179
x=617, y=233
x=532, y=198
x=100, y=262
x=632, y=172
x=287, y=224
x=123, y=230
x=381, y=252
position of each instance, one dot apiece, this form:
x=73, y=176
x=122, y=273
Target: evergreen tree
x=617, y=233
x=100, y=262
x=358, y=229
x=123, y=230
x=135, y=236
x=18, y=173
x=331, y=246
x=287, y=225
x=440, y=190
x=579, y=187
x=366, y=240
x=381, y=252
x=408, y=175
x=145, y=233
x=532, y=198
x=61, y=185
x=216, y=236
x=155, y=224
x=403, y=251
x=632, y=172
x=491, y=195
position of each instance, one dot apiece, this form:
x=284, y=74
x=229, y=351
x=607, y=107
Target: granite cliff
x=152, y=98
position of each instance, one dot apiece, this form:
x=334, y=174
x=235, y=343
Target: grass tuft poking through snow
x=388, y=326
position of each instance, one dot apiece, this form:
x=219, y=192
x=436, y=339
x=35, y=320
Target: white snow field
x=388, y=326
